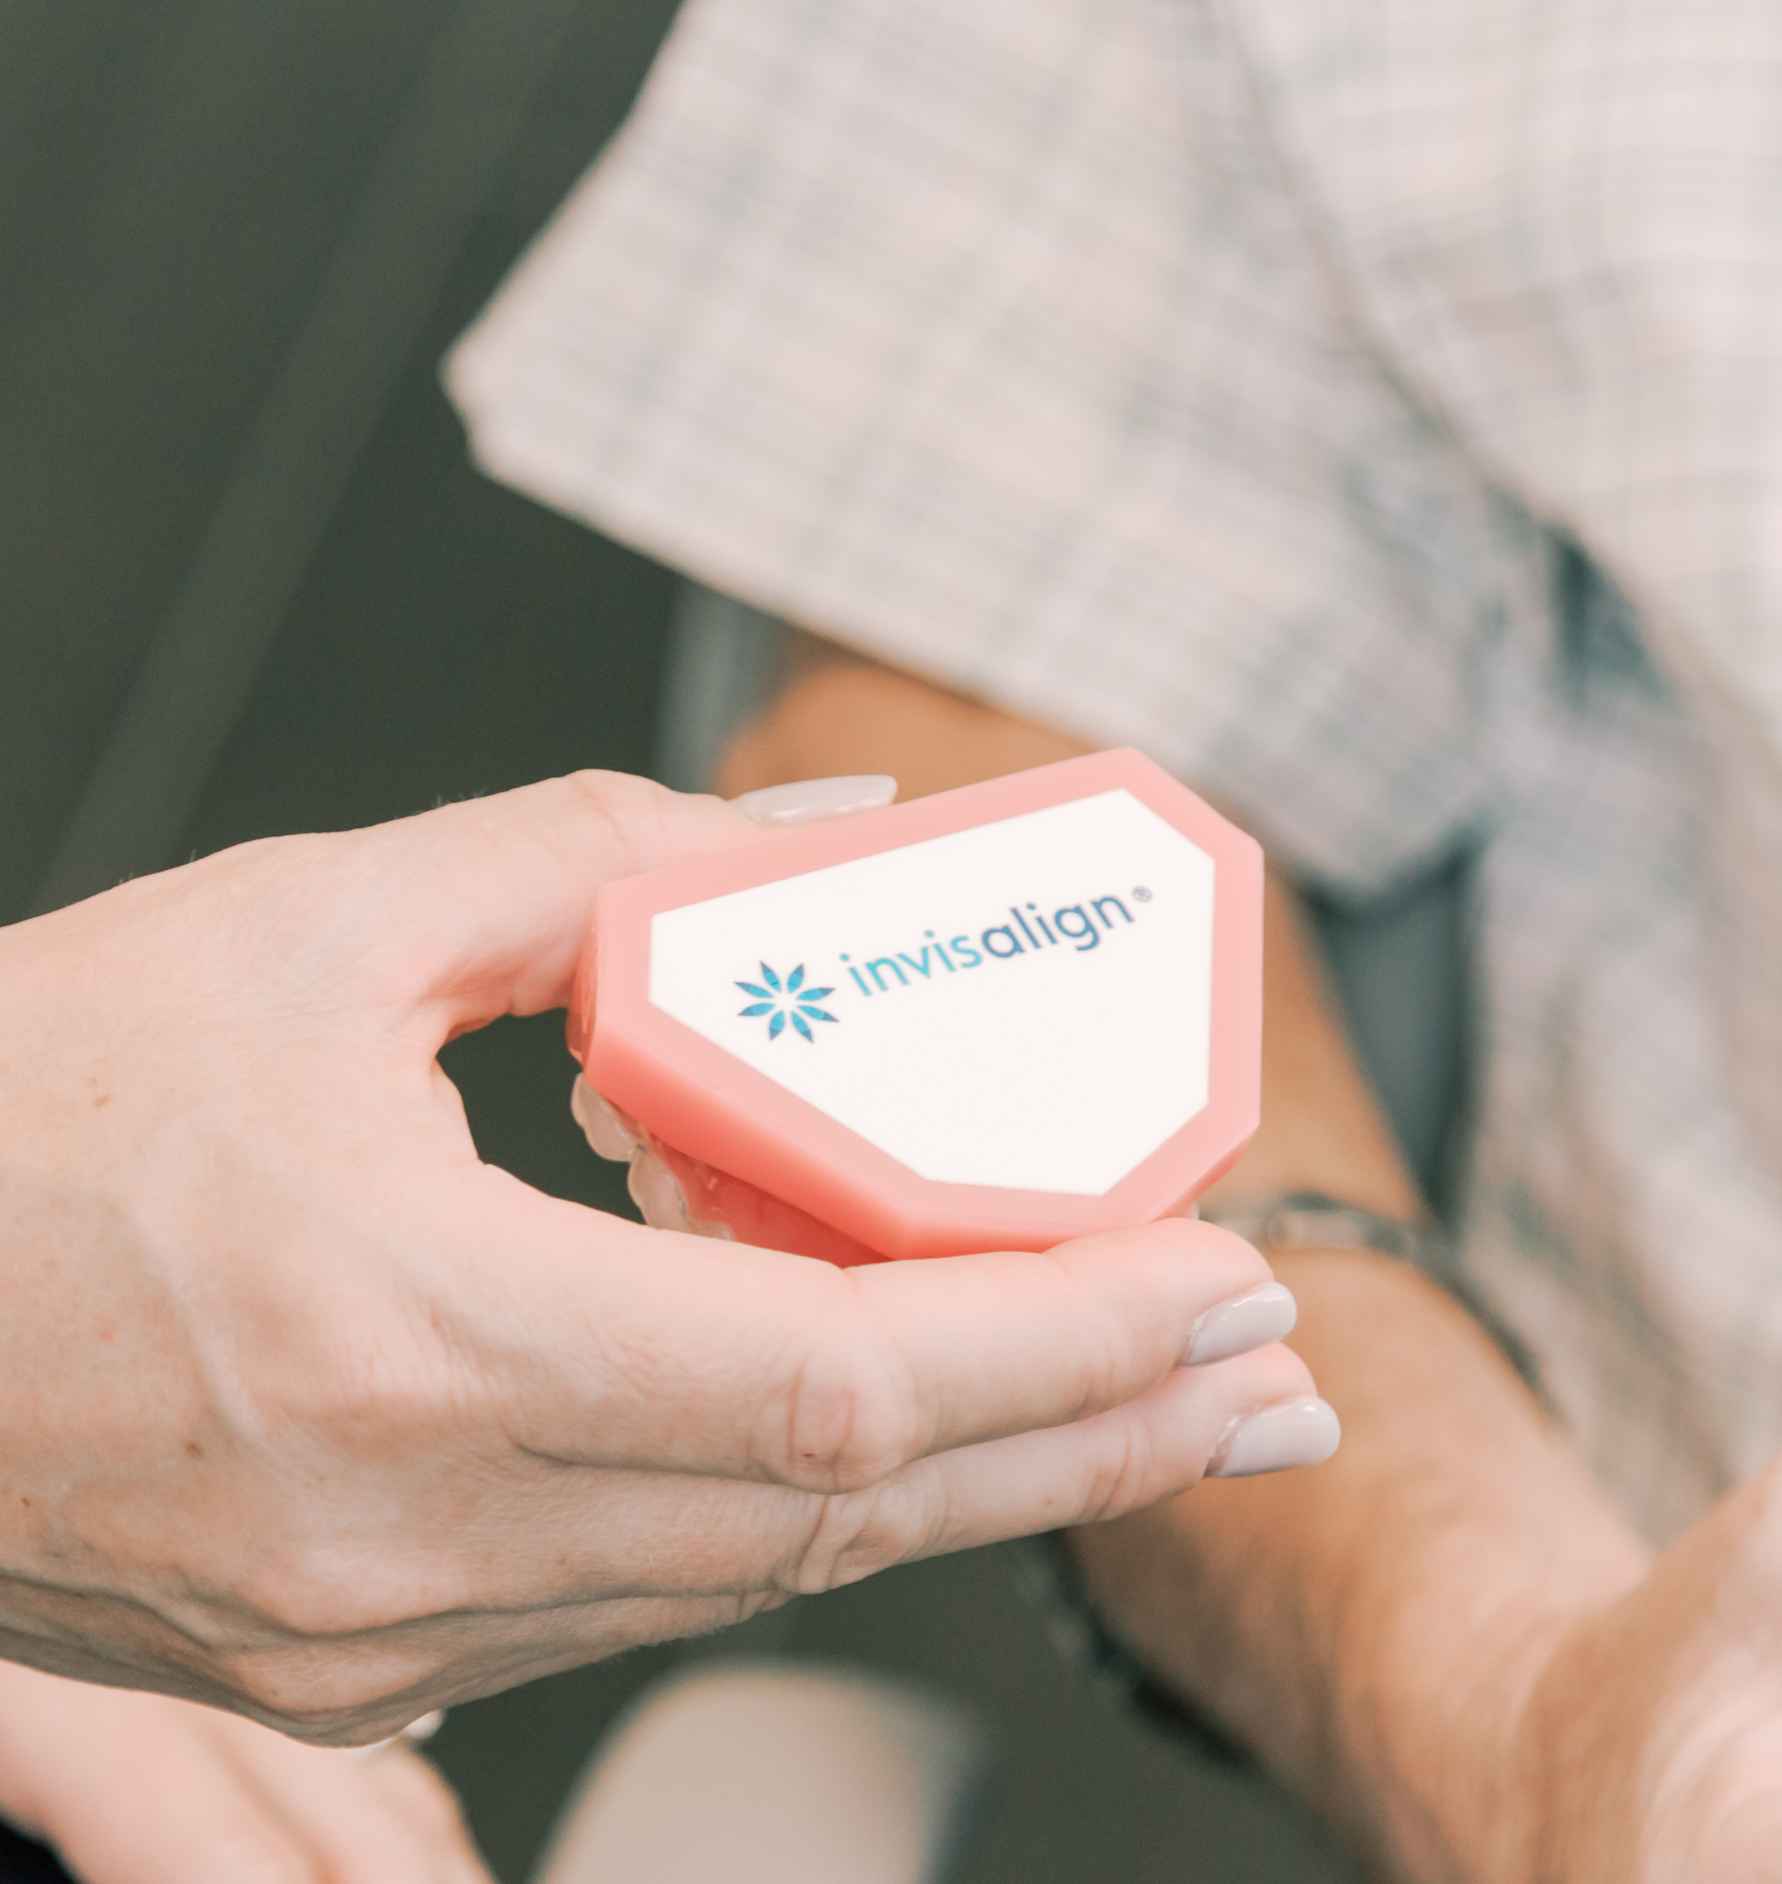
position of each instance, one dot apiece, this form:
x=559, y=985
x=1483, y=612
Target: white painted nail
x=656, y=1194
x=1275, y=1438
x=606, y=1129
x=1244, y=1323
x=808, y=800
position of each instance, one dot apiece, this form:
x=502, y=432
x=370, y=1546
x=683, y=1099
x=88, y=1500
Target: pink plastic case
x=996, y=1018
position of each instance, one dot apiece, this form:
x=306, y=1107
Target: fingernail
x=1247, y=1321
x=807, y=800
x=656, y=1194
x=604, y=1127
x=1296, y=1432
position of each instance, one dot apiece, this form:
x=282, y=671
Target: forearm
x=839, y=715
x=1372, y=1629
x=1368, y=1627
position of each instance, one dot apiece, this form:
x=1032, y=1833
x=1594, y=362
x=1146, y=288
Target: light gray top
x=1374, y=411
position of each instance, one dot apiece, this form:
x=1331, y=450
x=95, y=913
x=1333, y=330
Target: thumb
x=488, y=902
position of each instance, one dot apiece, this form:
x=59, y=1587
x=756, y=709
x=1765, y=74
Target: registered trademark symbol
x=1141, y=894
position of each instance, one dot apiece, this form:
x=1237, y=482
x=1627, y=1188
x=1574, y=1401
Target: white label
x=1025, y=1004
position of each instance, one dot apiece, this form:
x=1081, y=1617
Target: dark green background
x=175, y=177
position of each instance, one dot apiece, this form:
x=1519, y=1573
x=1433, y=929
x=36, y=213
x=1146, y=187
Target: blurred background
x=253, y=587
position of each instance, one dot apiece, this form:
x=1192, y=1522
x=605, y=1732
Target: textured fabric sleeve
x=991, y=342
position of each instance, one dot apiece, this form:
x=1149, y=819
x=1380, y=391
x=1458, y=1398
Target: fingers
x=1103, y=1468
x=234, y=1800
x=420, y=1798
x=133, y=1788
x=482, y=908
x=166, y=1812
x=733, y=1550
x=994, y=1345
x=675, y=1192
x=363, y=1820
x=667, y=1535
x=1256, y=1413
x=627, y=1347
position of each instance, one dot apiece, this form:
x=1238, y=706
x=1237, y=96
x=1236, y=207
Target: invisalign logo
x=1079, y=927
x=791, y=1000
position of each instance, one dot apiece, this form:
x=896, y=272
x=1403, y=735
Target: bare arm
x=1372, y=1629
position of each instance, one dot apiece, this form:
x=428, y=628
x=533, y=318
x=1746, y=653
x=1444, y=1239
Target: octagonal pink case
x=996, y=1018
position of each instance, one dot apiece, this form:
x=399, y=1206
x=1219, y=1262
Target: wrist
x=1459, y=1781
x=1375, y=1631
x=1471, y=1552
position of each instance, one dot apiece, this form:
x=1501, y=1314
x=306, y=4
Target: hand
x=1650, y=1749
x=308, y=1413
x=136, y=1789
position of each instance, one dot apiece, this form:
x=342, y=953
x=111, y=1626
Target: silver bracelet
x=1313, y=1220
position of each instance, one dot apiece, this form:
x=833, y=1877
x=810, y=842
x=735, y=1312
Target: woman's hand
x=307, y=1412
x=137, y=1789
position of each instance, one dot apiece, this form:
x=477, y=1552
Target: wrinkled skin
x=309, y=1414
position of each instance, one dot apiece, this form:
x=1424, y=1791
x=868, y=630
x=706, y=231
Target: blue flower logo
x=783, y=1001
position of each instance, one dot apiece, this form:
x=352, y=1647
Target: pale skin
x=1445, y=1637
x=309, y=1415
x=139, y=1789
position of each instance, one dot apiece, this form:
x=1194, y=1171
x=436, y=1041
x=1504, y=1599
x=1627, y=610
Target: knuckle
x=366, y=1389
x=617, y=791
x=339, y=1729
x=1200, y=1264
x=735, y=1607
x=1241, y=1266
x=1214, y=1241
x=753, y=1603
x=628, y=812
x=1119, y=1475
x=847, y=1420
x=1187, y=1263
x=1108, y=1341
x=854, y=1535
x=266, y=891
x=368, y=1395
x=290, y=1601
x=320, y=1701
x=318, y=1594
